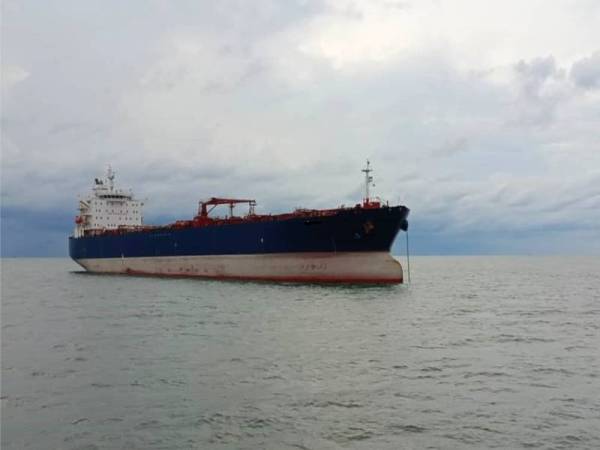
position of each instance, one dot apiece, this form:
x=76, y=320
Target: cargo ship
x=340, y=245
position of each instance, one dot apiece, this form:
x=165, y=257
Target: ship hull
x=347, y=267
x=351, y=245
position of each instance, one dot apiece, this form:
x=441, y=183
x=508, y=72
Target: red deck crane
x=203, y=209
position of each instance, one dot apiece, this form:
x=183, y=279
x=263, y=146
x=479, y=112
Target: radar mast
x=368, y=180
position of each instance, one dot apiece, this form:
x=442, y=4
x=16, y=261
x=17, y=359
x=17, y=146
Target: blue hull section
x=352, y=230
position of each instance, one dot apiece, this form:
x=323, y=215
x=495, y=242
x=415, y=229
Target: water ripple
x=475, y=353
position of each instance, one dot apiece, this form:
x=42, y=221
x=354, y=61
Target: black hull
x=348, y=230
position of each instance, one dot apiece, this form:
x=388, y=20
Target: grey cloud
x=538, y=69
x=65, y=127
x=452, y=147
x=177, y=128
x=585, y=73
x=535, y=105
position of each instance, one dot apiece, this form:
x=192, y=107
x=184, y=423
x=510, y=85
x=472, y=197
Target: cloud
x=12, y=75
x=542, y=85
x=586, y=72
x=483, y=131
x=536, y=72
x=452, y=147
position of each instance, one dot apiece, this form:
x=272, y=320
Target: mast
x=368, y=181
x=110, y=176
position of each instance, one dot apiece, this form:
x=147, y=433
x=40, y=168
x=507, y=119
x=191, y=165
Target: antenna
x=368, y=181
x=110, y=175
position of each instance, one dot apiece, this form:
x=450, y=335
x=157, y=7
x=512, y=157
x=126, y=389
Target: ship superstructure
x=108, y=207
x=345, y=244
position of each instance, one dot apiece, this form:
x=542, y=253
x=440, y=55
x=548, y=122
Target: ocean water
x=478, y=352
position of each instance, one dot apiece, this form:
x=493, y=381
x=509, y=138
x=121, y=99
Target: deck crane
x=213, y=202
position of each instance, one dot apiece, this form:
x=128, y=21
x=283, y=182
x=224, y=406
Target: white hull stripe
x=367, y=267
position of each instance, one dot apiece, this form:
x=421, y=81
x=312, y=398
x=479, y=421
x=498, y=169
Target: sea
x=475, y=353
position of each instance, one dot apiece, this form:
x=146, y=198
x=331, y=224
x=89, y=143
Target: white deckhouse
x=107, y=207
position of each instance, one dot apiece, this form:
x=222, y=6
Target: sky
x=482, y=117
